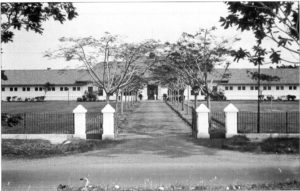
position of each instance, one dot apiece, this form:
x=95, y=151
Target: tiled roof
x=41, y=77
x=243, y=76
x=237, y=76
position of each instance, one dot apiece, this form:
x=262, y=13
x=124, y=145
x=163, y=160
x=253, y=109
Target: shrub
x=19, y=99
x=14, y=98
x=8, y=98
x=79, y=99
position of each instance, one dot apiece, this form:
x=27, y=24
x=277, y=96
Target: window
x=231, y=88
x=251, y=88
x=239, y=88
x=36, y=89
x=11, y=89
x=15, y=89
x=226, y=87
x=277, y=87
x=48, y=89
x=53, y=88
x=3, y=89
x=294, y=87
x=243, y=88
x=40, y=89
x=74, y=88
x=66, y=88
x=24, y=89
x=281, y=87
x=28, y=89
x=256, y=87
x=78, y=88
x=290, y=87
x=100, y=92
x=265, y=87
x=192, y=92
x=61, y=89
x=269, y=87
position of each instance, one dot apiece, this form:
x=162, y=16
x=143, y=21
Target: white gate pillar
x=202, y=121
x=80, y=122
x=231, y=120
x=108, y=122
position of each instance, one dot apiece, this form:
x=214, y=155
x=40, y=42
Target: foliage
x=110, y=63
x=10, y=119
x=30, y=16
x=195, y=56
x=278, y=21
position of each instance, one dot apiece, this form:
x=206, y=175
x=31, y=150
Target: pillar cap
x=230, y=108
x=108, y=109
x=202, y=109
x=79, y=109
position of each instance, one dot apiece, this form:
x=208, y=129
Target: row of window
x=263, y=87
x=75, y=88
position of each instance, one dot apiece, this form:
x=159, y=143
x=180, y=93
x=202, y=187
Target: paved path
x=155, y=148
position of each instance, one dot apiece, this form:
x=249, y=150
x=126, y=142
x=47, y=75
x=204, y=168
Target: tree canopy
x=30, y=16
x=278, y=21
x=112, y=64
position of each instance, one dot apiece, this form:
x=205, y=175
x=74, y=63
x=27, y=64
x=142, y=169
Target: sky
x=132, y=20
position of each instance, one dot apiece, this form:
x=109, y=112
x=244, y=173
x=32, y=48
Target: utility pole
x=258, y=100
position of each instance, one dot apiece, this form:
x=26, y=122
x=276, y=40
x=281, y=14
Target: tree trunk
x=188, y=99
x=182, y=101
x=107, y=98
x=195, y=101
x=117, y=100
x=125, y=100
x=122, y=102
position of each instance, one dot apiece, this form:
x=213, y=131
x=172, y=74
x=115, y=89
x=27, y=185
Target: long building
x=71, y=84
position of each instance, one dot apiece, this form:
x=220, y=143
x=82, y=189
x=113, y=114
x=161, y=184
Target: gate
x=217, y=125
x=94, y=122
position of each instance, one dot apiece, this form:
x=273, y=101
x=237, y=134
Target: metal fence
x=94, y=125
x=217, y=123
x=40, y=123
x=270, y=122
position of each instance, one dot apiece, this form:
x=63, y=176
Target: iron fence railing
x=40, y=123
x=94, y=123
x=270, y=122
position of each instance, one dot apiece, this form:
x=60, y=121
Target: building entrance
x=152, y=92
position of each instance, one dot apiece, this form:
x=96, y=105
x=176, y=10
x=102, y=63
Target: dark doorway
x=90, y=89
x=152, y=92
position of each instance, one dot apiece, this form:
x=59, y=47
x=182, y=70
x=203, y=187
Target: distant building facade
x=71, y=84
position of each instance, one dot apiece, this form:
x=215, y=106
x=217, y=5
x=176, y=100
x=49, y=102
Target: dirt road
x=156, y=148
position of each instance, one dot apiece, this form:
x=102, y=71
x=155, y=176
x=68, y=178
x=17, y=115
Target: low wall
x=53, y=138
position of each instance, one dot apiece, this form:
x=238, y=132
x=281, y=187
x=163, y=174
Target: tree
x=278, y=21
x=30, y=16
x=110, y=63
x=197, y=56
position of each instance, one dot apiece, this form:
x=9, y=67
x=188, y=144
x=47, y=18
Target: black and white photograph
x=158, y=95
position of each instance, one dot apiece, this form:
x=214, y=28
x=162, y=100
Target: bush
x=40, y=98
x=291, y=97
x=8, y=98
x=79, y=99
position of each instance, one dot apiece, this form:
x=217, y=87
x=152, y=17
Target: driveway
x=155, y=148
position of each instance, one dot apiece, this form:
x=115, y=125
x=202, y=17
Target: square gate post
x=80, y=122
x=231, y=120
x=108, y=122
x=202, y=121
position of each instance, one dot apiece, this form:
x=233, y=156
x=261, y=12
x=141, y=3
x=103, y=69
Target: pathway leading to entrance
x=155, y=148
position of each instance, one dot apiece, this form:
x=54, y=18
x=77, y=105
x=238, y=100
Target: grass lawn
x=50, y=106
x=18, y=148
x=266, y=106
x=243, y=144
